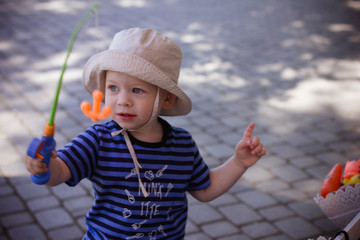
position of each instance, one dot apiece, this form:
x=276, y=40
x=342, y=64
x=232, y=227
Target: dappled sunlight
x=340, y=27
x=288, y=74
x=214, y=72
x=192, y=38
x=6, y=45
x=314, y=41
x=355, y=5
x=131, y=3
x=59, y=6
x=338, y=69
x=51, y=61
x=271, y=67
x=318, y=95
x=48, y=79
x=215, y=64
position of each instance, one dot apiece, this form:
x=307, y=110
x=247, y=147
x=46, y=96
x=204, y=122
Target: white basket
x=342, y=206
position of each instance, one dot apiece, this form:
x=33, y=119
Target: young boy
x=140, y=166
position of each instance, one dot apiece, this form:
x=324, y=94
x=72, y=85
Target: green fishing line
x=69, y=49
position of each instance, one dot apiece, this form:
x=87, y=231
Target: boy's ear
x=169, y=100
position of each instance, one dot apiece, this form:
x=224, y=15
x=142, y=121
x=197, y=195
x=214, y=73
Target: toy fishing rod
x=43, y=147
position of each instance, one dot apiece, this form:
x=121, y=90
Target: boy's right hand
x=36, y=166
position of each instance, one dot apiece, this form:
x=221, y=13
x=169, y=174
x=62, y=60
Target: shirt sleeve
x=200, y=177
x=80, y=155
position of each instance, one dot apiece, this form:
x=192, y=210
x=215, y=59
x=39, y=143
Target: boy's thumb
x=244, y=143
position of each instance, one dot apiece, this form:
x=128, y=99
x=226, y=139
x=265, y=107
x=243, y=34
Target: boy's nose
x=124, y=99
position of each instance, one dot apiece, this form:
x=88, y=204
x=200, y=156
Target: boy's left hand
x=249, y=150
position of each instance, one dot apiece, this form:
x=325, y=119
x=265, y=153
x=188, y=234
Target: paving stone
x=304, y=161
x=5, y=190
x=326, y=225
x=235, y=237
x=289, y=173
x=83, y=202
x=272, y=186
x=290, y=195
x=66, y=233
x=197, y=236
x=239, y=214
x=234, y=122
x=2, y=180
x=220, y=151
x=311, y=149
x=207, y=121
x=319, y=171
x=80, y=212
x=311, y=186
x=270, y=161
x=297, y=228
x=307, y=209
x=204, y=139
x=331, y=158
x=230, y=138
x=211, y=161
x=14, y=127
x=63, y=191
x=256, y=174
x=297, y=139
x=190, y=227
x=53, y=218
x=16, y=219
x=7, y=153
x=286, y=151
x=260, y=229
x=87, y=185
x=31, y=231
x=43, y=203
x=14, y=180
x=10, y=204
x=203, y=213
x=3, y=237
x=219, y=228
x=342, y=146
x=323, y=136
x=14, y=169
x=82, y=223
x=240, y=186
x=256, y=199
x=276, y=213
x=30, y=190
x=269, y=140
x=224, y=199
x=277, y=237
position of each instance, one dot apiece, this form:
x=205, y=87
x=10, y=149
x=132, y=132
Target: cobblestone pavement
x=290, y=66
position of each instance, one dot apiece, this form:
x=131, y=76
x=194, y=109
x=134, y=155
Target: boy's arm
x=59, y=171
x=247, y=152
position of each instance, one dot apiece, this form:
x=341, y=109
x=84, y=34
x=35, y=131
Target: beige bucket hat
x=145, y=54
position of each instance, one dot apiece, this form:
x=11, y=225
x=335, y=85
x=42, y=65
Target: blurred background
x=292, y=67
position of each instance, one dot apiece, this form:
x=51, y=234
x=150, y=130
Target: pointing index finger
x=249, y=130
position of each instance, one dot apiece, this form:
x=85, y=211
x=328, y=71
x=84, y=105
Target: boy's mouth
x=126, y=116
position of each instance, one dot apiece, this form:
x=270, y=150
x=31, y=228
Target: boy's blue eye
x=137, y=90
x=113, y=88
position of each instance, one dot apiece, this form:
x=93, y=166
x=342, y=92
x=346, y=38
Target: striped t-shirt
x=120, y=211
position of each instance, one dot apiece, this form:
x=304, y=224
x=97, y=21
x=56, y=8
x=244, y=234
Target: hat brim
x=133, y=65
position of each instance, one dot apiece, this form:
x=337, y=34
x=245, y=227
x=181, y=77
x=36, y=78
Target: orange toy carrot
x=351, y=168
x=332, y=181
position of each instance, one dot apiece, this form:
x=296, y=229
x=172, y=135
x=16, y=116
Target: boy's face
x=130, y=98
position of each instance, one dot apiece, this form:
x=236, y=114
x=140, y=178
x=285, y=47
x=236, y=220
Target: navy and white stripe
x=169, y=169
